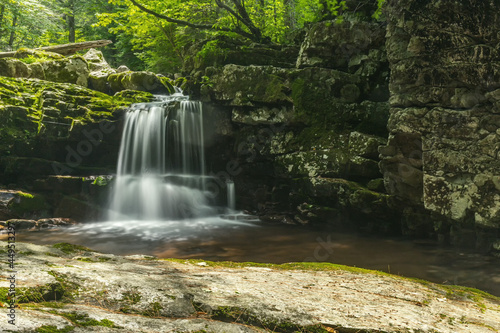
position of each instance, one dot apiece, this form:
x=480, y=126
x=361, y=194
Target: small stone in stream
x=22, y=224
x=55, y=221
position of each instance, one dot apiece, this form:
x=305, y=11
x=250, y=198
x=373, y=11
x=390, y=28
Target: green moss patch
x=168, y=84
x=135, y=96
x=83, y=320
x=37, y=55
x=310, y=266
x=54, y=329
x=154, y=310
x=71, y=248
x=133, y=297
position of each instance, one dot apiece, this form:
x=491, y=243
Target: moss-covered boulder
x=46, y=66
x=15, y=204
x=65, y=125
x=317, y=96
x=246, y=85
x=33, y=55
x=72, y=69
x=99, y=70
x=141, y=81
x=14, y=68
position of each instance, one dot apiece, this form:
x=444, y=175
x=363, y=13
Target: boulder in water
x=20, y=224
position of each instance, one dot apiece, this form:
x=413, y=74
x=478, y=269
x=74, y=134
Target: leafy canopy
x=156, y=34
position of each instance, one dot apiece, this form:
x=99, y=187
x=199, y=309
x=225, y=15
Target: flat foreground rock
x=67, y=288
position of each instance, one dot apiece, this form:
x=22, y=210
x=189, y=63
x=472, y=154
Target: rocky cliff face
x=305, y=139
x=443, y=149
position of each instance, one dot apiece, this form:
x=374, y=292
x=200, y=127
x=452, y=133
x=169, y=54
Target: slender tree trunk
x=291, y=14
x=2, y=12
x=71, y=29
x=13, y=31
x=70, y=20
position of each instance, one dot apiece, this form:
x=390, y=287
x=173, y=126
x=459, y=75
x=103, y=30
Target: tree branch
x=253, y=36
x=245, y=19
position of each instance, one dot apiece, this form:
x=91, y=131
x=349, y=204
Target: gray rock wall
x=444, y=142
x=306, y=139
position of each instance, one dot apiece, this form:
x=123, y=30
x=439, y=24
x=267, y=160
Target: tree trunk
x=70, y=20
x=2, y=12
x=291, y=14
x=71, y=29
x=13, y=31
x=66, y=49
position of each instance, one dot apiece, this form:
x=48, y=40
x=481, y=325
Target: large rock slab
x=141, y=294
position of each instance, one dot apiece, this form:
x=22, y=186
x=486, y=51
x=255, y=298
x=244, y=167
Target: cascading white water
x=231, y=195
x=161, y=164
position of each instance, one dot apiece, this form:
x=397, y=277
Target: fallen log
x=65, y=49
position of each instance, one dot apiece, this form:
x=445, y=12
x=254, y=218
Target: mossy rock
x=33, y=111
x=27, y=204
x=72, y=69
x=46, y=66
x=14, y=68
x=244, y=86
x=376, y=185
x=71, y=248
x=135, y=96
x=141, y=81
x=168, y=84
x=31, y=55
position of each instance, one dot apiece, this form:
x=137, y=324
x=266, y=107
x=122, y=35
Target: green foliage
x=143, y=41
x=36, y=23
x=100, y=181
x=133, y=297
x=378, y=13
x=211, y=53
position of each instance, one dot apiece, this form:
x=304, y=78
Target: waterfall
x=161, y=164
x=231, y=195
